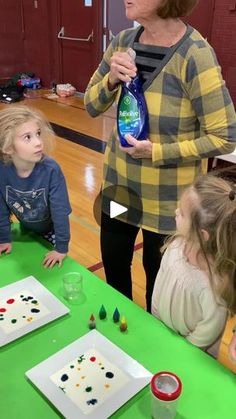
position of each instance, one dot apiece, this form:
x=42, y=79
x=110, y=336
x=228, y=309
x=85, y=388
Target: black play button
x=118, y=202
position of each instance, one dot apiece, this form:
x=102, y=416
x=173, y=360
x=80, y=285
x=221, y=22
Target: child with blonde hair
x=196, y=283
x=32, y=185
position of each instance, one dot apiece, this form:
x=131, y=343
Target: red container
x=166, y=389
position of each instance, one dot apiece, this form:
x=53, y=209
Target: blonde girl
x=32, y=185
x=196, y=283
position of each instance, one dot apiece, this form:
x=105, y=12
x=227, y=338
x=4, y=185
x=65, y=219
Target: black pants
x=117, y=247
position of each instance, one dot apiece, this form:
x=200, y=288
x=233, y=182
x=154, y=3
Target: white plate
x=82, y=372
x=24, y=306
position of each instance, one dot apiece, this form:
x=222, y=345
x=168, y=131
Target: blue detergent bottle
x=132, y=114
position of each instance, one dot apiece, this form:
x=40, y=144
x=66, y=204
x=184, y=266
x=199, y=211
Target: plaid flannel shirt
x=191, y=118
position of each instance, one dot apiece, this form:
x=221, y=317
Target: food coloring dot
x=64, y=377
x=35, y=310
x=92, y=402
x=10, y=301
x=109, y=375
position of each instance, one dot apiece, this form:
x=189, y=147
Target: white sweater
x=183, y=299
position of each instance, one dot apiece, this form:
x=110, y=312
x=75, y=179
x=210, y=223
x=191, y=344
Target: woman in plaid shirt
x=191, y=118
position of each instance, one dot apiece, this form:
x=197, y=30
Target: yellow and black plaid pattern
x=191, y=118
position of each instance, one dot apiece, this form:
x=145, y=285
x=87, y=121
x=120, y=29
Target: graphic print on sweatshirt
x=28, y=205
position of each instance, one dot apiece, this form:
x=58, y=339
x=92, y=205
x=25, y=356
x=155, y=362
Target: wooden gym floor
x=79, y=148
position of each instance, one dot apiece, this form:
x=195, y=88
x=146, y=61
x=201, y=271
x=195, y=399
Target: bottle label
x=129, y=116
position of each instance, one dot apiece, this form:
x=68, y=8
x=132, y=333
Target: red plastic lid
x=166, y=386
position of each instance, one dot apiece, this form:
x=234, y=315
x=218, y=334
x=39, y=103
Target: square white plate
x=131, y=377
x=26, y=305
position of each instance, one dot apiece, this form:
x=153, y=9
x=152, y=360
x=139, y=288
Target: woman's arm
x=210, y=101
x=115, y=67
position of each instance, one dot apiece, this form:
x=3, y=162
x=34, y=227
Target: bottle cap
x=166, y=386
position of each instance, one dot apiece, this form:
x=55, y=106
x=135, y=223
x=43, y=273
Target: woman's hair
x=10, y=120
x=176, y=8
x=214, y=210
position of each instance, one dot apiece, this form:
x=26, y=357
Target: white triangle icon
x=116, y=209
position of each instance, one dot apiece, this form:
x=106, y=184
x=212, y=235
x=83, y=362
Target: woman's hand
x=5, y=248
x=52, y=258
x=140, y=150
x=122, y=68
x=232, y=348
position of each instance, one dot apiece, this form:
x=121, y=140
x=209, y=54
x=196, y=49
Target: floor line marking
x=85, y=223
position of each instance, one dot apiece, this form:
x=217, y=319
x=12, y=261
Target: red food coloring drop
x=2, y=310
x=10, y=301
x=93, y=359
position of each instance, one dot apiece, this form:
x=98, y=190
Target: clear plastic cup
x=166, y=389
x=73, y=287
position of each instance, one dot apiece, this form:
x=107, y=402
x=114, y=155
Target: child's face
x=188, y=201
x=28, y=144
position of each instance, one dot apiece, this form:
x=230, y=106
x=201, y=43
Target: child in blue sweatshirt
x=32, y=185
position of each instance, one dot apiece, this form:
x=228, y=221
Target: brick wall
x=223, y=40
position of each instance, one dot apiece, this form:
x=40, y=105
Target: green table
x=209, y=389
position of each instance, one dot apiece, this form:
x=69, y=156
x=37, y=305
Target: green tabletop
x=209, y=389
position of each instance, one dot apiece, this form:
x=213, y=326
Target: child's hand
x=52, y=258
x=5, y=248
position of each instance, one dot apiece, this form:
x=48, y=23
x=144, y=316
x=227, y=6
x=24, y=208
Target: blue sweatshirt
x=40, y=202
